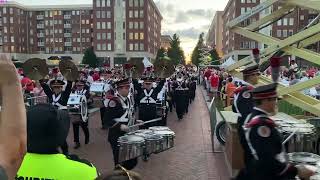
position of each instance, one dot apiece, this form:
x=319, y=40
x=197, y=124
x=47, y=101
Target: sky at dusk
x=187, y=18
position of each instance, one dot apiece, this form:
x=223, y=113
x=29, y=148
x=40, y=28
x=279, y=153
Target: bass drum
x=77, y=105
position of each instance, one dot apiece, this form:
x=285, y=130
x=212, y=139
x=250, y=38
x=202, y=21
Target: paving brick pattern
x=190, y=159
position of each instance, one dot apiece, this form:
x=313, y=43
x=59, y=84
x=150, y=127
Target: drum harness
x=127, y=116
x=148, y=99
x=82, y=92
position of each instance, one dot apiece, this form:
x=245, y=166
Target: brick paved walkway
x=190, y=159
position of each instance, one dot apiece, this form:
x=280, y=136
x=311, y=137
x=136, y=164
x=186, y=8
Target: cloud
x=185, y=33
x=193, y=14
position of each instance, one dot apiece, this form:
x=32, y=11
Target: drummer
x=80, y=89
x=118, y=111
x=58, y=98
x=265, y=142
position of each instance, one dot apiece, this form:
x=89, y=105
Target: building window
x=136, y=14
x=279, y=23
x=124, y=36
x=109, y=36
x=136, y=46
x=285, y=33
x=11, y=10
x=98, y=3
x=302, y=17
x=285, y=21
x=87, y=21
x=131, y=36
x=243, y=1
x=5, y=11
x=12, y=39
x=78, y=39
x=98, y=14
x=98, y=47
x=98, y=36
x=108, y=14
x=98, y=25
x=108, y=3
x=291, y=21
x=136, y=36
x=130, y=14
x=103, y=3
x=103, y=14
x=130, y=25
x=141, y=25
x=103, y=25
x=104, y=47
x=130, y=3
x=278, y=33
x=103, y=36
x=290, y=32
x=109, y=47
x=4, y=20
x=141, y=3
x=124, y=25
x=109, y=25
x=141, y=36
x=141, y=14
x=243, y=10
x=11, y=20
x=131, y=47
x=136, y=25
x=141, y=47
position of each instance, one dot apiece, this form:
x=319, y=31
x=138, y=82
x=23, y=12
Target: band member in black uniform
x=169, y=95
x=193, y=88
x=58, y=98
x=107, y=79
x=80, y=89
x=179, y=87
x=117, y=118
x=265, y=142
x=147, y=97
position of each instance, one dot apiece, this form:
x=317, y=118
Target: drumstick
x=289, y=137
x=147, y=122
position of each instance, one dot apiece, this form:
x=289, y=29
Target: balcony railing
x=67, y=34
x=41, y=52
x=67, y=16
x=68, y=44
x=40, y=26
x=40, y=34
x=40, y=43
x=68, y=52
x=39, y=17
x=67, y=25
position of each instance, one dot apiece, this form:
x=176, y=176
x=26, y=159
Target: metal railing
x=31, y=100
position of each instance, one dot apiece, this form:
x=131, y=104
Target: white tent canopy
x=228, y=62
x=146, y=62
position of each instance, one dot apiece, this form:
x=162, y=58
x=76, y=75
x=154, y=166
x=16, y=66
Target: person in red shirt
x=214, y=82
x=96, y=75
x=27, y=84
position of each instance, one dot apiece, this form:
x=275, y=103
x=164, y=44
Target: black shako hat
x=47, y=128
x=265, y=92
x=148, y=79
x=57, y=83
x=121, y=83
x=251, y=70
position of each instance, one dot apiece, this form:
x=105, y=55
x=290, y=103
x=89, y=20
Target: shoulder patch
x=264, y=131
x=246, y=95
x=112, y=103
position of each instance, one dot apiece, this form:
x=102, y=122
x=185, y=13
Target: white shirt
x=90, y=79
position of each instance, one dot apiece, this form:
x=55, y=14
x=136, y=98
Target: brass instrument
x=69, y=70
x=163, y=68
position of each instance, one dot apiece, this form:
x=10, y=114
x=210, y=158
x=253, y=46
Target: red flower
x=275, y=62
x=255, y=51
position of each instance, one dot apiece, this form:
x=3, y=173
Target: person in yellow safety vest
x=47, y=129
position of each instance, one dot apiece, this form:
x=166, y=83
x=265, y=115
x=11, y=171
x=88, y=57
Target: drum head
x=298, y=130
x=165, y=133
x=131, y=139
x=159, y=128
x=303, y=158
x=97, y=87
x=74, y=99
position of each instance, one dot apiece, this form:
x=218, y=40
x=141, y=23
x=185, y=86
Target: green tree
x=161, y=53
x=175, y=52
x=215, y=59
x=197, y=51
x=90, y=58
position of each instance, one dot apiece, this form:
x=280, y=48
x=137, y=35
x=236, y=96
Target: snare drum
x=304, y=139
x=303, y=158
x=77, y=106
x=159, y=128
x=131, y=146
x=153, y=142
x=168, y=139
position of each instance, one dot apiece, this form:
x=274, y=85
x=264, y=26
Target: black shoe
x=86, y=141
x=76, y=145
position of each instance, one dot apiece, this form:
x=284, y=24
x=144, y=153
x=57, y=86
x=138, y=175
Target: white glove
x=124, y=128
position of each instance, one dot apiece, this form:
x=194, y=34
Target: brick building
x=117, y=30
x=214, y=35
x=165, y=41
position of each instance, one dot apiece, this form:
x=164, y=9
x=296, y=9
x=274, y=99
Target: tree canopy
x=161, y=53
x=90, y=58
x=175, y=52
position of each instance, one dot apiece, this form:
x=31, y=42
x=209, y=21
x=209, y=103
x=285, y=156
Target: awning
x=146, y=62
x=228, y=62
